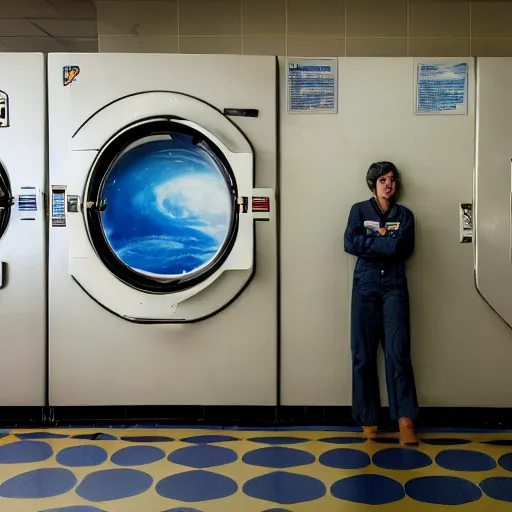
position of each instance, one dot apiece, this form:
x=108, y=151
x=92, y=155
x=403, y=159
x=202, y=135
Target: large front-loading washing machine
x=162, y=255
x=22, y=230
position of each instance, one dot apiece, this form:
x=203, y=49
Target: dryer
x=162, y=288
x=22, y=230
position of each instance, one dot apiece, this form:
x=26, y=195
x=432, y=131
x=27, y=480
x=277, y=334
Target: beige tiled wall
x=308, y=27
x=48, y=26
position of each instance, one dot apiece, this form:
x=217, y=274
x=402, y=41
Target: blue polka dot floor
x=157, y=470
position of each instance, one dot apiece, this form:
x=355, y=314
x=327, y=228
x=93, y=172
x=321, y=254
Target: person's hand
x=382, y=231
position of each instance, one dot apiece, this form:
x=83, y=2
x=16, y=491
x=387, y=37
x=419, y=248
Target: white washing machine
x=22, y=230
x=162, y=285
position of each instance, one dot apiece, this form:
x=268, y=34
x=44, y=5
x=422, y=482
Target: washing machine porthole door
x=5, y=200
x=162, y=209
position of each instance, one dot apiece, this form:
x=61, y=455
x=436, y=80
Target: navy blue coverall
x=380, y=310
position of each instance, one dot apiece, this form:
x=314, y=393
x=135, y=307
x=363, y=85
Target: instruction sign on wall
x=312, y=86
x=441, y=88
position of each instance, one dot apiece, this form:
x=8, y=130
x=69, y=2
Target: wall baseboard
x=243, y=416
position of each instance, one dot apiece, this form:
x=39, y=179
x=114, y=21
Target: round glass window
x=166, y=208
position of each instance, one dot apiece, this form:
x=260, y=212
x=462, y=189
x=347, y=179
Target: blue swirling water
x=168, y=209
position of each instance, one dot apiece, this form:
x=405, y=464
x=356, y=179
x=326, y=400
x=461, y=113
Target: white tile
x=30, y=44
x=138, y=18
x=20, y=28
x=138, y=44
x=75, y=9
x=68, y=28
x=210, y=18
x=83, y=45
x=27, y=9
x=211, y=45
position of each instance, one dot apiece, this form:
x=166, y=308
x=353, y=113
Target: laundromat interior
x=176, y=178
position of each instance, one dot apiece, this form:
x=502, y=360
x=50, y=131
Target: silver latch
x=466, y=223
x=243, y=204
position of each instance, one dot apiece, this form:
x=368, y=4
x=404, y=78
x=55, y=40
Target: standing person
x=380, y=232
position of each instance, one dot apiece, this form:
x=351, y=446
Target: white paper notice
x=313, y=86
x=442, y=88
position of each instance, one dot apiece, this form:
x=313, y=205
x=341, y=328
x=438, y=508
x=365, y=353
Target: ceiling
x=48, y=25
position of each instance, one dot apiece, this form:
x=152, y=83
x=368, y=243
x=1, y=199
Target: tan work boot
x=408, y=436
x=370, y=432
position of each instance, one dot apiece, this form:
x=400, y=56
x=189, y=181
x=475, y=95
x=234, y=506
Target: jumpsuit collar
x=383, y=216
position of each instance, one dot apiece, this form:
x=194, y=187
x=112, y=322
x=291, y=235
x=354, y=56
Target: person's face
x=386, y=186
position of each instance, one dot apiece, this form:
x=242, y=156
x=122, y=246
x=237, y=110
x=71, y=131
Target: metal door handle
x=3, y=274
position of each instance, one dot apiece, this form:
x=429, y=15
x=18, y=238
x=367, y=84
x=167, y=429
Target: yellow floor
x=158, y=470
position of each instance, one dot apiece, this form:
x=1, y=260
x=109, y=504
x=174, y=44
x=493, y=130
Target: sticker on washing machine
x=261, y=204
x=58, y=208
x=27, y=203
x=69, y=74
x=4, y=109
x=313, y=86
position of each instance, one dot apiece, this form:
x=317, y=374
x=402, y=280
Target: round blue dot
x=465, y=460
x=147, y=439
x=22, y=452
x=196, y=486
x=182, y=509
x=137, y=455
x=499, y=442
x=442, y=490
x=209, y=439
x=203, y=456
x=41, y=435
x=401, y=458
x=39, y=483
x=498, y=488
x=445, y=441
x=98, y=436
x=345, y=458
x=76, y=508
x=113, y=484
x=278, y=440
x=368, y=489
x=81, y=456
x=278, y=457
x=276, y=510
x=285, y=488
x=343, y=440
x=506, y=462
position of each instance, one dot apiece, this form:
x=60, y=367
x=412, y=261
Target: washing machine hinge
x=243, y=204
